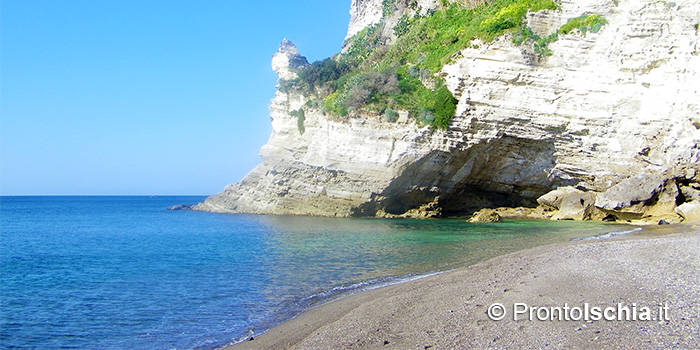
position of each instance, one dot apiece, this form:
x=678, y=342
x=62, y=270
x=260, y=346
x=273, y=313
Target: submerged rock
x=180, y=207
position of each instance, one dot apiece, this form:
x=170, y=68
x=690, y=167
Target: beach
x=648, y=281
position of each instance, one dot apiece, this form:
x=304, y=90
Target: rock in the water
x=689, y=211
x=524, y=213
x=485, y=216
x=180, y=207
x=633, y=190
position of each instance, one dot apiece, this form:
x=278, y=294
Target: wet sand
x=657, y=267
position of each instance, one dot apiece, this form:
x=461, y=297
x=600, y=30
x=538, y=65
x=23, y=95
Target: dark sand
x=449, y=310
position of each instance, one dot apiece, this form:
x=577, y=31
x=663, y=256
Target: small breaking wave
x=608, y=235
x=294, y=309
x=344, y=290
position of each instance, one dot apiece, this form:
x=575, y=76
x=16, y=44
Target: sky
x=145, y=97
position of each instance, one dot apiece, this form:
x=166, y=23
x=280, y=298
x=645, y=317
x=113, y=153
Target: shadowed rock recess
x=608, y=120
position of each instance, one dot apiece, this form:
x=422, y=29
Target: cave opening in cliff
x=506, y=171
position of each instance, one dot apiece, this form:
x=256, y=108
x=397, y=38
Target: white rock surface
x=554, y=198
x=689, y=211
x=287, y=61
x=363, y=13
x=635, y=189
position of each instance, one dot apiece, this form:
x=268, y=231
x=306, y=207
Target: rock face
x=633, y=190
x=485, y=216
x=554, y=199
x=569, y=203
x=366, y=13
x=614, y=114
x=363, y=13
x=287, y=61
x=689, y=211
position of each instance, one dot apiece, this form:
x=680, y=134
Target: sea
x=122, y=272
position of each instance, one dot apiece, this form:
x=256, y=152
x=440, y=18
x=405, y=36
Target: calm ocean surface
x=124, y=273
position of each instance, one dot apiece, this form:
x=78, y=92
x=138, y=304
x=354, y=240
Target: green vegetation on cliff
x=584, y=24
x=433, y=40
x=299, y=114
x=373, y=75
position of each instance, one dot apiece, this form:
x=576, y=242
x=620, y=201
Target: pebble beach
x=646, y=273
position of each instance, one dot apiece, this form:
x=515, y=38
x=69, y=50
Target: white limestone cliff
x=604, y=107
x=363, y=13
x=366, y=13
x=287, y=61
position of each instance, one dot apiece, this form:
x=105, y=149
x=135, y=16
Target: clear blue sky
x=144, y=97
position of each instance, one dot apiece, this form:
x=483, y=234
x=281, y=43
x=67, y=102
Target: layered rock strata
x=607, y=112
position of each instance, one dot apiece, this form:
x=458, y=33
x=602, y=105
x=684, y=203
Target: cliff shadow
x=506, y=171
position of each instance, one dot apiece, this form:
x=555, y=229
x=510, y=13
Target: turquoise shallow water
x=123, y=272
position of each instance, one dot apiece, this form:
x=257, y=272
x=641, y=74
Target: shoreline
x=448, y=310
x=343, y=291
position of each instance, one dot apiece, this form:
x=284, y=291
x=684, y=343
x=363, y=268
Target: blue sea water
x=124, y=273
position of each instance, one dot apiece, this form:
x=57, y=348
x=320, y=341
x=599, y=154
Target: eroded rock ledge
x=671, y=197
x=609, y=122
